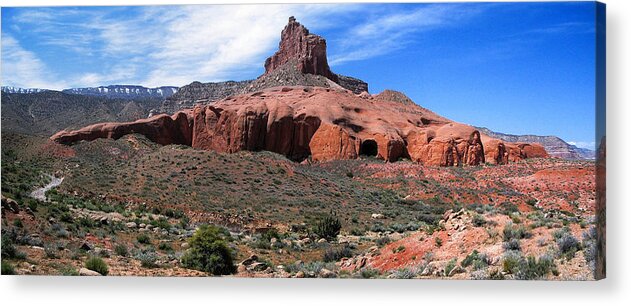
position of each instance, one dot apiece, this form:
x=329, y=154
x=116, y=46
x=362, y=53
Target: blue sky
x=521, y=68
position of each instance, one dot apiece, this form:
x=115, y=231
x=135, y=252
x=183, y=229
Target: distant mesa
x=300, y=109
x=555, y=146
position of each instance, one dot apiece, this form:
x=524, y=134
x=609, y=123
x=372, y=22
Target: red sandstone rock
x=307, y=51
x=322, y=123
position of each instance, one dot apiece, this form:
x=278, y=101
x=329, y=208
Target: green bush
x=337, y=254
x=69, y=271
x=478, y=220
x=208, y=252
x=147, y=259
x=97, y=264
x=531, y=268
x=144, y=239
x=121, y=250
x=328, y=228
x=477, y=259
x=369, y=273
x=7, y=268
x=165, y=246
x=451, y=265
x=515, y=232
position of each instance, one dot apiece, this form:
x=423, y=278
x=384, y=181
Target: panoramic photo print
x=458, y=141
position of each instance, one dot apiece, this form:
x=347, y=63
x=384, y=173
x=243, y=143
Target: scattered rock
x=11, y=205
x=250, y=260
x=87, y=272
x=86, y=246
x=325, y=273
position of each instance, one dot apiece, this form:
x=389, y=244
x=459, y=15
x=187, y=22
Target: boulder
x=87, y=272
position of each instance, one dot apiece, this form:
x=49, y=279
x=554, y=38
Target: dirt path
x=40, y=193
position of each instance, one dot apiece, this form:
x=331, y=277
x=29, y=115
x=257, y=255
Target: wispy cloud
x=22, y=68
x=169, y=45
x=392, y=31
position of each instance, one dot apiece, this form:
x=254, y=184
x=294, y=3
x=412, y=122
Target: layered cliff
x=321, y=123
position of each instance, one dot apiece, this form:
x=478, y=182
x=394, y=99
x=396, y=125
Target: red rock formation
x=307, y=51
x=322, y=123
x=161, y=129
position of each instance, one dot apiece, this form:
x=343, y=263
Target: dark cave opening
x=368, y=148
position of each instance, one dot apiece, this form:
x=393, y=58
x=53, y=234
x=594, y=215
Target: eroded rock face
x=161, y=129
x=322, y=123
x=309, y=51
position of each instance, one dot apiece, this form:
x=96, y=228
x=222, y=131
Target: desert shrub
x=165, y=246
x=508, y=208
x=438, y=242
x=144, y=239
x=512, y=245
x=515, y=232
x=121, y=250
x=69, y=271
x=378, y=227
x=404, y=273
x=476, y=259
x=568, y=245
x=531, y=268
x=97, y=264
x=162, y=223
x=369, y=273
x=271, y=233
x=8, y=248
x=357, y=232
x=209, y=252
x=335, y=254
x=18, y=223
x=478, y=220
x=381, y=241
x=398, y=227
x=399, y=249
x=50, y=252
x=328, y=228
x=510, y=261
x=7, y=268
x=147, y=258
x=451, y=265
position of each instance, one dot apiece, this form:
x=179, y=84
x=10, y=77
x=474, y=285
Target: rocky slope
x=47, y=112
x=555, y=146
x=124, y=91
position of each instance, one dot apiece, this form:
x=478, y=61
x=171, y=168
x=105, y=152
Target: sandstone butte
x=317, y=122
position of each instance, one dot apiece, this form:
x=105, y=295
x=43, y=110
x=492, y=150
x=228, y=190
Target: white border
x=174, y=291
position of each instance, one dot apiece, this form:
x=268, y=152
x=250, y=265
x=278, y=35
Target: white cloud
x=171, y=45
x=22, y=68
